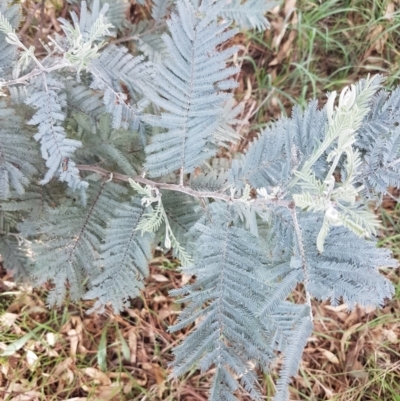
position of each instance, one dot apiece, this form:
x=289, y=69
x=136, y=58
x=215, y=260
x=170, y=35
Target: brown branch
x=182, y=188
x=35, y=72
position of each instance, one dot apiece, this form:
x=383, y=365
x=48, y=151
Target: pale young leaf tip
x=330, y=106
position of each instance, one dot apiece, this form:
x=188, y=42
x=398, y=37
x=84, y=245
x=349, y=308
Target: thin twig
x=34, y=73
x=154, y=28
x=182, y=188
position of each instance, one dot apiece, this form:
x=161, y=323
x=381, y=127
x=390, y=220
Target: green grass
x=335, y=43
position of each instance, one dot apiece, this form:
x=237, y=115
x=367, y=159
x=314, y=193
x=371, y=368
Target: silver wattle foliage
x=85, y=130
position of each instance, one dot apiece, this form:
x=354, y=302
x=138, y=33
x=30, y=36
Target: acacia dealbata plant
x=104, y=154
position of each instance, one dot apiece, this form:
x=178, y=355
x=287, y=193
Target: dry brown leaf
x=14, y=360
x=391, y=336
x=36, y=309
x=346, y=335
x=336, y=309
x=32, y=360
x=377, y=335
x=54, y=21
x=63, y=366
x=148, y=331
x=51, y=339
x=142, y=354
x=377, y=39
x=140, y=377
x=280, y=25
x=328, y=392
x=77, y=324
x=160, y=298
x=73, y=340
x=354, y=317
x=28, y=396
x=247, y=94
x=132, y=343
x=32, y=345
x=20, y=303
x=185, y=278
x=77, y=399
x=66, y=327
x=277, y=26
x=51, y=353
x=67, y=376
x=105, y=393
x=275, y=10
x=164, y=313
x=133, y=313
x=390, y=10
x=61, y=384
x=128, y=387
x=357, y=371
x=23, y=392
x=74, y=332
x=4, y=368
x=290, y=5
x=160, y=278
x=9, y=284
x=369, y=309
x=98, y=376
x=8, y=319
x=15, y=387
x=330, y=356
x=284, y=50
x=158, y=372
